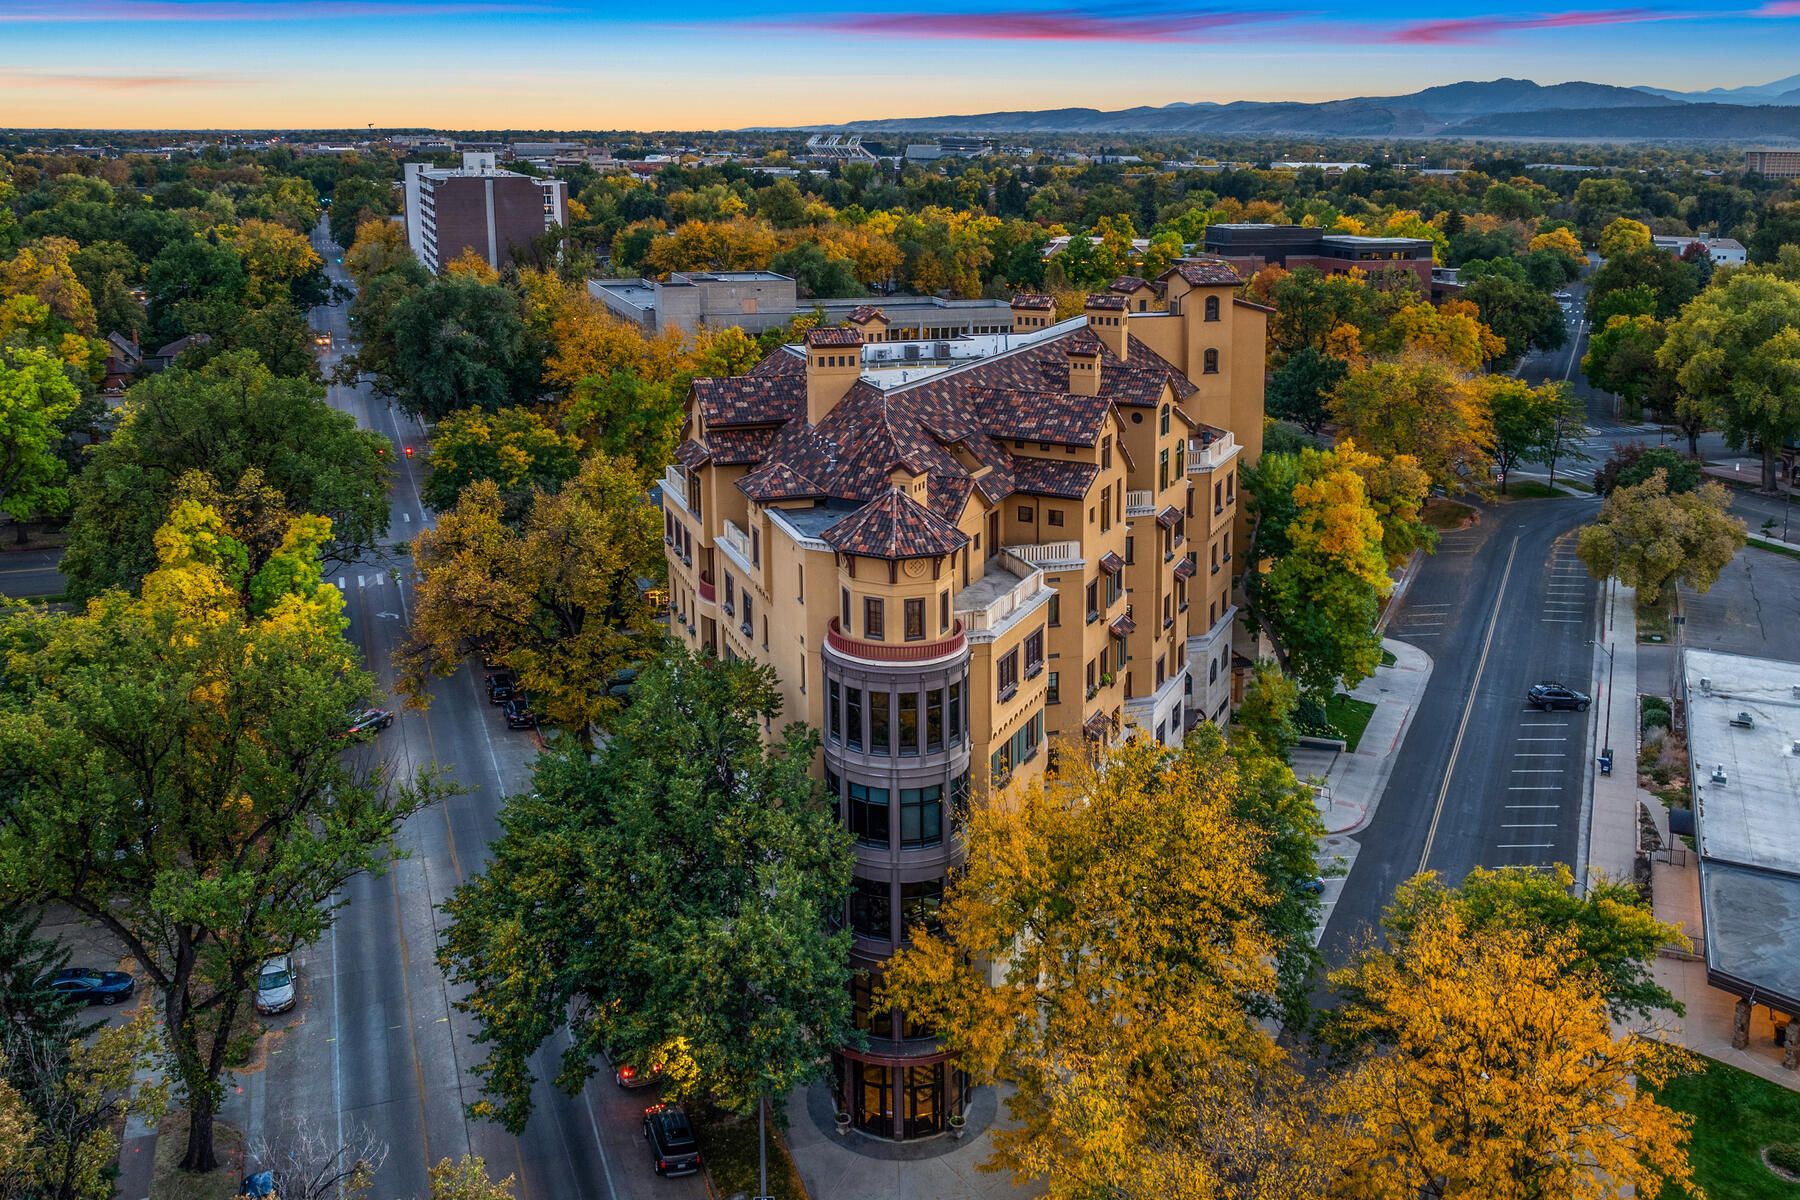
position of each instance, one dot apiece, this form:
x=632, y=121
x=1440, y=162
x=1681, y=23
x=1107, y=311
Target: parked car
x=673, y=1147
x=500, y=686
x=620, y=685
x=518, y=712
x=85, y=985
x=1550, y=695
x=275, y=991
x=628, y=1076
x=369, y=720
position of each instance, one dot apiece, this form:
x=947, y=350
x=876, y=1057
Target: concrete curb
x=1386, y=769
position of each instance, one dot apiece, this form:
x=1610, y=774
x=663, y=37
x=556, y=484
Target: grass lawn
x=169, y=1182
x=1580, y=485
x=728, y=1150
x=1529, y=489
x=1735, y=1115
x=1653, y=619
x=1387, y=658
x=1443, y=513
x=1350, y=716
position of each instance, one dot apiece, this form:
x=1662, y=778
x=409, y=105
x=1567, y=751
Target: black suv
x=672, y=1142
x=500, y=686
x=1549, y=695
x=518, y=712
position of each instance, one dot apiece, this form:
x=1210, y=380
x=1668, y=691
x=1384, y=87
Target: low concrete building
x=1743, y=720
x=757, y=300
x=1250, y=246
x=1724, y=252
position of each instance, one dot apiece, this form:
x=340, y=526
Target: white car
x=275, y=991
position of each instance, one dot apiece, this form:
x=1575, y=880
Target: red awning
x=1111, y=563
x=1169, y=517
x=1184, y=569
x=1123, y=626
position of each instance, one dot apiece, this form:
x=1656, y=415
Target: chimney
x=833, y=365
x=869, y=321
x=1084, y=369
x=1105, y=312
x=1031, y=311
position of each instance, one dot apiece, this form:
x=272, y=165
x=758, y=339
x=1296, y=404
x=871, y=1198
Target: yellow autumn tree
x=472, y=265
x=1425, y=406
x=1486, y=1067
x=1335, y=521
x=1099, y=953
x=1452, y=331
x=1562, y=241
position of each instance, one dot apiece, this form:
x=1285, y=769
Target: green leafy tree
x=559, y=599
x=188, y=273
x=225, y=419
x=1645, y=537
x=1527, y=421
x=355, y=201
x=1267, y=713
x=461, y=343
x=1669, y=282
x=679, y=884
x=1526, y=318
x=1624, y=236
x=1621, y=359
x=1298, y=391
x=1735, y=353
x=178, y=778
x=623, y=413
x=31, y=1011
x=514, y=447
x=36, y=398
x=1634, y=463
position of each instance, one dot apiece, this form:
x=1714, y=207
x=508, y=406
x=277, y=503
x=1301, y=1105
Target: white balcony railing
x=737, y=543
x=1140, y=502
x=1050, y=554
x=1206, y=456
x=996, y=611
x=674, y=483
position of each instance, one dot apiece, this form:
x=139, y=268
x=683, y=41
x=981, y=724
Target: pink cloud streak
x=1464, y=29
x=1050, y=25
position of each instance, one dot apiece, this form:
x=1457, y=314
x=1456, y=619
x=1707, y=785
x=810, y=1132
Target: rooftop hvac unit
x=1706, y=685
x=1797, y=691
x=941, y=349
x=1718, y=773
x=912, y=351
x=1797, y=746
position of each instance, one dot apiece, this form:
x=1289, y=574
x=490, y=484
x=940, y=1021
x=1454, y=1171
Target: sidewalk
x=1353, y=783
x=1611, y=833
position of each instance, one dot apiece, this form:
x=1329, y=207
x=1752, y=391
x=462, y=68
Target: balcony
x=1140, y=503
x=736, y=545
x=889, y=652
x=709, y=594
x=674, y=485
x=1050, y=555
x=1210, y=451
x=1008, y=589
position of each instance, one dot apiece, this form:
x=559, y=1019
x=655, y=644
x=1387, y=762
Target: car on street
x=1550, y=695
x=85, y=985
x=368, y=721
x=322, y=340
x=275, y=992
x=628, y=1076
x=518, y=712
x=500, y=686
x=673, y=1147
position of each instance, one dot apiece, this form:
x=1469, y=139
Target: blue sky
x=709, y=64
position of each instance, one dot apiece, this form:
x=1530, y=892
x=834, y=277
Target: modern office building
x=959, y=554
x=1776, y=164
x=478, y=207
x=1724, y=252
x=757, y=300
x=1249, y=247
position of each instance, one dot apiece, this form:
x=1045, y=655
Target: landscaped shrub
x=1786, y=1155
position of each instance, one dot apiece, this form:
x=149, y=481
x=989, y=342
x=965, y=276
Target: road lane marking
x=1524, y=845
x=340, y=582
x=1487, y=644
x=1543, y=725
x=1541, y=754
x=1534, y=806
x=1549, y=787
x=406, y=518
x=1541, y=825
x=1543, y=739
x=362, y=581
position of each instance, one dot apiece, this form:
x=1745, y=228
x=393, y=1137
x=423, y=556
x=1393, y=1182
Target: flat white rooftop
x=1743, y=715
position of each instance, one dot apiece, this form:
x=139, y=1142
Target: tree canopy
x=1646, y=536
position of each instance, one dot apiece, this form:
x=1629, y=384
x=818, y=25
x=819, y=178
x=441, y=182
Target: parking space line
x=1524, y=845
x=1547, y=787
x=1543, y=825
x=1534, y=807
x=1541, y=754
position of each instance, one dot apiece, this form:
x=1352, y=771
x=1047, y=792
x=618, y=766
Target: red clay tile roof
x=894, y=526
x=1111, y=563
x=1058, y=417
x=767, y=399
x=783, y=362
x=691, y=454
x=1033, y=300
x=1122, y=625
x=1048, y=477
x=862, y=314
x=1184, y=568
x=738, y=447
x=832, y=335
x=1110, y=301
x=778, y=481
x=1125, y=285
x=1169, y=517
x=1203, y=272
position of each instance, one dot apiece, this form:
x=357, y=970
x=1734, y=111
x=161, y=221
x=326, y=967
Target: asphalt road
x=375, y=1041
x=26, y=574
x=1482, y=779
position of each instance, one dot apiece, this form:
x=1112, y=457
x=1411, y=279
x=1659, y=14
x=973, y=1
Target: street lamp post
x=1606, y=734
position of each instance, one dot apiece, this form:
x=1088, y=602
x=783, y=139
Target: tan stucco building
x=958, y=554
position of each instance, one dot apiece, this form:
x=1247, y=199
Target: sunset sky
x=707, y=64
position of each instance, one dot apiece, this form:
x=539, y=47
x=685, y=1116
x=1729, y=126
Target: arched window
x=1212, y=674
x=1212, y=308
x=1210, y=362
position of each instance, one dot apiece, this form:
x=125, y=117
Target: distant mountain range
x=1498, y=108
